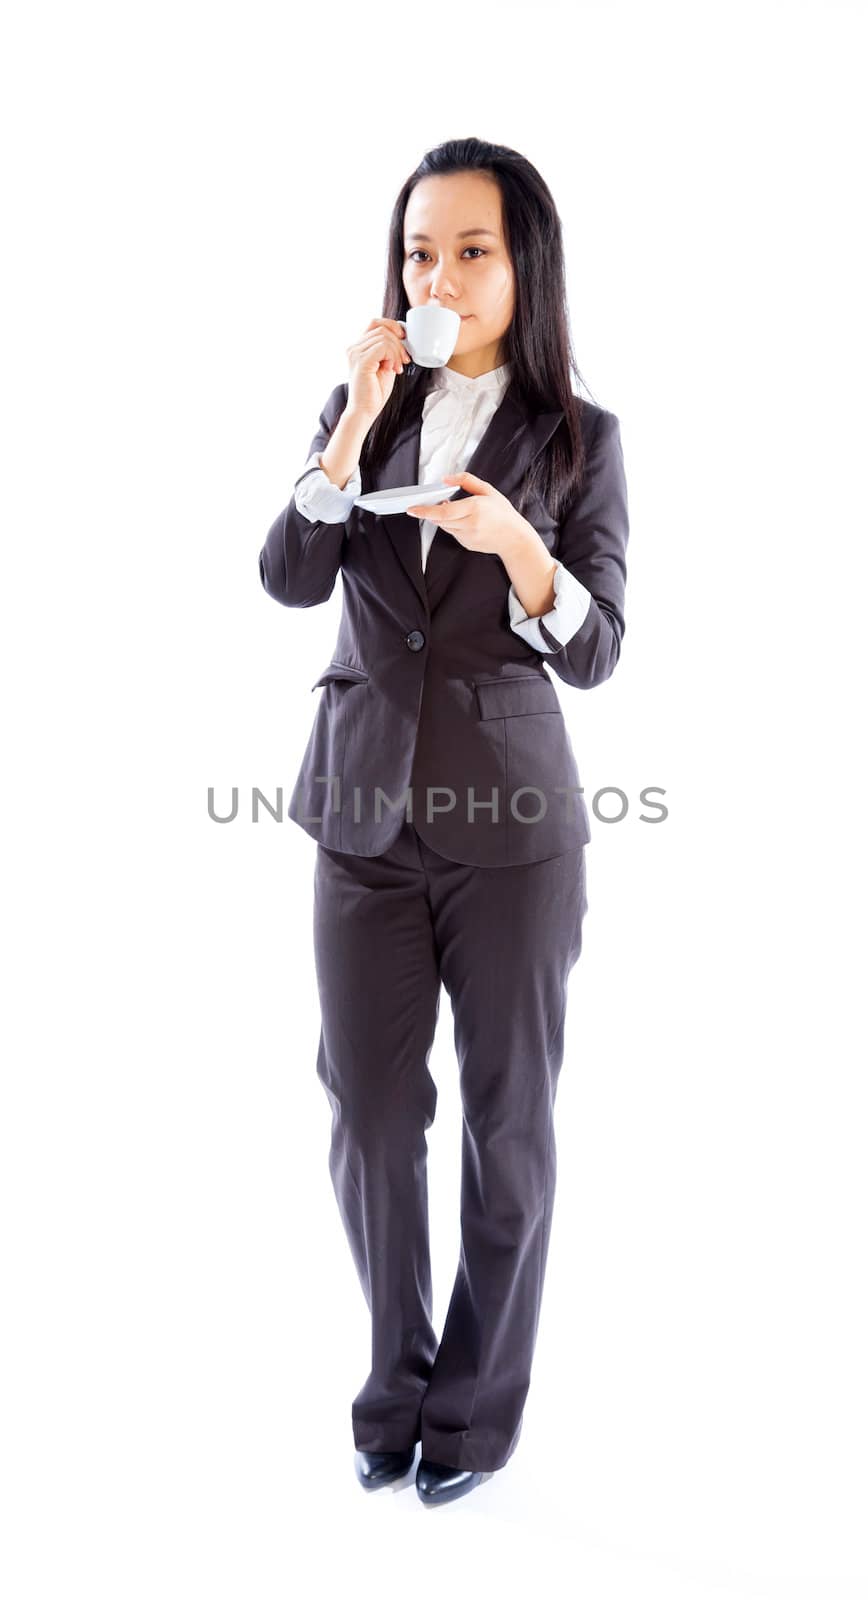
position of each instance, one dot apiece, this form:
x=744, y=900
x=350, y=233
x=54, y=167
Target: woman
x=440, y=784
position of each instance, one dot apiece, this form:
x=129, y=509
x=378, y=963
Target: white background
x=196, y=203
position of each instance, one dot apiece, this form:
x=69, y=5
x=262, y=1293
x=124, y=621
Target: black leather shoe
x=376, y=1467
x=436, y=1483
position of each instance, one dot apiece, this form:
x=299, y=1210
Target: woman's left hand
x=485, y=521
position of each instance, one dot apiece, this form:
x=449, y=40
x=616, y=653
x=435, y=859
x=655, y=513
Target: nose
x=441, y=291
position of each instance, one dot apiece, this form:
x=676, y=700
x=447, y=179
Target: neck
x=475, y=363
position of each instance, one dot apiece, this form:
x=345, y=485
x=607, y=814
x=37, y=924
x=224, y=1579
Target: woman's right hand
x=375, y=360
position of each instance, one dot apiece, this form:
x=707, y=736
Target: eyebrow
x=466, y=234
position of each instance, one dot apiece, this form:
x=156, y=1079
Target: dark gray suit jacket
x=432, y=708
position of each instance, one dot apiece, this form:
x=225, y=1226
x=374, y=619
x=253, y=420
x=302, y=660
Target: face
x=472, y=274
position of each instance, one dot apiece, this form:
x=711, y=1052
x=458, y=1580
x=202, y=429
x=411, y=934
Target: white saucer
x=385, y=502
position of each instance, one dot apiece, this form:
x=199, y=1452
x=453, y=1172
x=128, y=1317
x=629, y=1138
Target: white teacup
x=432, y=334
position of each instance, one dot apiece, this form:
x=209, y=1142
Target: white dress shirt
x=455, y=415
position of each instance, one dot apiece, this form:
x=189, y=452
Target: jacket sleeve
x=565, y=618
x=320, y=500
x=299, y=561
x=592, y=545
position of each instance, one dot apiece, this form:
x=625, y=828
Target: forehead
x=453, y=207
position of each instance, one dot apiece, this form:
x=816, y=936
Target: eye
x=479, y=252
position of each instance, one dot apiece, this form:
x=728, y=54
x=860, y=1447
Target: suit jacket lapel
x=512, y=439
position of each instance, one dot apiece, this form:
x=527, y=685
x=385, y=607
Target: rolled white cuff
x=320, y=500
x=564, y=620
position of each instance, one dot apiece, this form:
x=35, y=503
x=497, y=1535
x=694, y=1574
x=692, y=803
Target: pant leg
x=508, y=938
x=379, y=989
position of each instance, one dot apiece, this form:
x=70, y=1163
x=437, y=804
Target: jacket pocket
x=336, y=671
x=516, y=697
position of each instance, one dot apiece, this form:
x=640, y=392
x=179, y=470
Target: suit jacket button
x=415, y=640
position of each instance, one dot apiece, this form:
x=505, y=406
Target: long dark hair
x=537, y=342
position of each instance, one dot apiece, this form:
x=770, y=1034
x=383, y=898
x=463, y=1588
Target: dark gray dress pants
x=388, y=930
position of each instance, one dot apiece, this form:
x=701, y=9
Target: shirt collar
x=468, y=388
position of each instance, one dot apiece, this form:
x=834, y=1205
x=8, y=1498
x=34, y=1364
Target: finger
x=428, y=511
x=441, y=511
x=394, y=353
x=455, y=509
x=468, y=480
